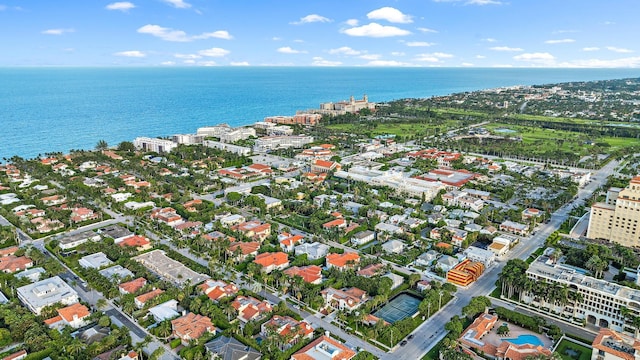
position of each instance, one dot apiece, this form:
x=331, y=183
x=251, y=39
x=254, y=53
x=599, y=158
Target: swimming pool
x=526, y=339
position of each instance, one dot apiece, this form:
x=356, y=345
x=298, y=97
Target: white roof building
x=393, y=246
x=95, y=261
x=313, y=250
x=487, y=257
x=165, y=311
x=46, y=292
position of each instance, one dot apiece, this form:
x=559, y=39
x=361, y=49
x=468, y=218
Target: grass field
x=572, y=351
x=395, y=128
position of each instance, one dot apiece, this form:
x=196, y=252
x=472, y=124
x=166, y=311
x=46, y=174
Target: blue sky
x=448, y=33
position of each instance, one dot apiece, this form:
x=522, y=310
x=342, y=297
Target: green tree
x=126, y=146
x=102, y=145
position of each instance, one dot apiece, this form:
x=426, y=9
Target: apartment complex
x=343, y=107
x=298, y=119
x=602, y=301
x=617, y=219
x=267, y=143
x=160, y=146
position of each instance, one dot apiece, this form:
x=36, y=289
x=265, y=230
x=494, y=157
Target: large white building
x=160, y=146
x=236, y=134
x=267, y=143
x=397, y=180
x=617, y=219
x=188, y=139
x=46, y=292
x=235, y=149
x=214, y=131
x=601, y=303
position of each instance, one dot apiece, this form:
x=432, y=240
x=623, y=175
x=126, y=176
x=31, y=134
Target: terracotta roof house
x=191, y=327
x=141, y=243
x=250, y=308
x=73, y=315
x=246, y=249
x=253, y=229
x=287, y=326
x=19, y=355
x=217, y=289
x=141, y=300
x=311, y=274
x=346, y=299
x=323, y=166
x=371, y=270
x=131, y=287
x=288, y=241
x=167, y=215
x=324, y=348
x=612, y=345
x=11, y=263
x=337, y=223
x=272, y=261
x=342, y=261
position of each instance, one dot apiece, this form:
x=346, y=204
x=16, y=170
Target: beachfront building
x=160, y=146
x=269, y=143
x=235, y=149
x=617, y=219
x=602, y=301
x=298, y=119
x=187, y=139
x=343, y=107
x=236, y=134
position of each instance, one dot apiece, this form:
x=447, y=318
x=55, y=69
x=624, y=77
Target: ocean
x=58, y=109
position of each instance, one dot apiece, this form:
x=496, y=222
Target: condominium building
x=343, y=107
x=214, y=131
x=267, y=143
x=240, y=133
x=617, y=219
x=235, y=149
x=160, y=146
x=188, y=139
x=298, y=119
x=601, y=303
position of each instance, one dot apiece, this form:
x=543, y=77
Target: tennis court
x=400, y=307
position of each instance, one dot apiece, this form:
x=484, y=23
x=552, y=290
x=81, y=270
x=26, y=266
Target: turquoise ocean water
x=58, y=109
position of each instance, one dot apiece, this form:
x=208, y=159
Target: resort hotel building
x=601, y=302
x=617, y=219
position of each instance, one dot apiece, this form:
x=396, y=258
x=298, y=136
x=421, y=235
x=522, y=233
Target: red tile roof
x=132, y=286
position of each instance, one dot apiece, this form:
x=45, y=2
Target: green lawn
x=567, y=346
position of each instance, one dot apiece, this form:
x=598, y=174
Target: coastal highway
x=432, y=330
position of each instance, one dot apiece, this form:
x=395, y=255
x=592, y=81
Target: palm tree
x=74, y=347
x=102, y=145
x=164, y=329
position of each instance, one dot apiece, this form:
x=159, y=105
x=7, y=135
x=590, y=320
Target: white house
x=393, y=246
x=363, y=237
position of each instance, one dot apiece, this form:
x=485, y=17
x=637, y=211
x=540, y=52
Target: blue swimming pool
x=526, y=339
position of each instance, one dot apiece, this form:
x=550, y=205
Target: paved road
x=428, y=335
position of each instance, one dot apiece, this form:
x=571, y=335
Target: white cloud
x=434, y=58
x=419, y=44
x=318, y=61
x=289, y=50
x=131, y=53
x=123, y=6
x=491, y=40
x=619, y=50
x=207, y=63
x=466, y=64
x=506, y=48
x=180, y=4
x=352, y=22
x=189, y=62
x=480, y=57
x=609, y=23
x=376, y=30
x=168, y=63
x=560, y=41
x=543, y=58
x=370, y=56
x=345, y=50
x=57, y=31
x=275, y=38
x=169, y=34
x=398, y=53
x=390, y=14
x=214, y=52
x=427, y=30
x=592, y=48
x=474, y=2
x=187, y=56
x=239, y=63
x=565, y=31
x=299, y=41
x=631, y=62
x=311, y=19
x=220, y=34
x=483, y=2
x=386, y=63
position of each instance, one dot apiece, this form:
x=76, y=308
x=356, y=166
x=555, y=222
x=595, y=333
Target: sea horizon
x=59, y=108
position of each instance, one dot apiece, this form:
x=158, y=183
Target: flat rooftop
x=85, y=235
x=115, y=231
x=45, y=292
x=169, y=269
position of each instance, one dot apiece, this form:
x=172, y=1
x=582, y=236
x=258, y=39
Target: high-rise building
x=617, y=219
